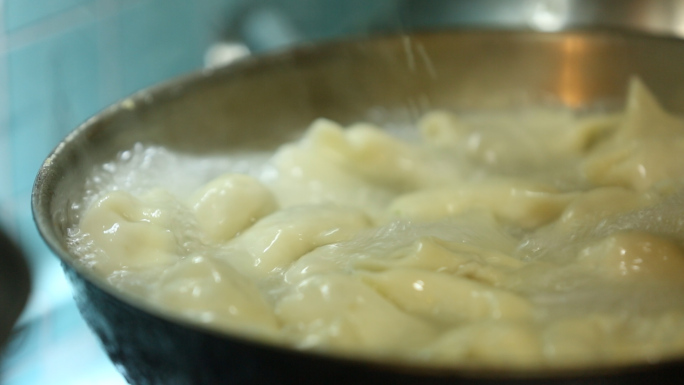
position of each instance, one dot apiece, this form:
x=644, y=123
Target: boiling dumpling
x=445, y=298
x=442, y=129
x=282, y=237
x=129, y=233
x=636, y=255
x=340, y=311
x=490, y=343
x=523, y=203
x=427, y=253
x=593, y=206
x=305, y=175
x=211, y=292
x=370, y=152
x=648, y=147
x=229, y=204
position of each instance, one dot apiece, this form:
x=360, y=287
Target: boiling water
x=519, y=239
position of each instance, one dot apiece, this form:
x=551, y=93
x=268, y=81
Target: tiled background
x=63, y=60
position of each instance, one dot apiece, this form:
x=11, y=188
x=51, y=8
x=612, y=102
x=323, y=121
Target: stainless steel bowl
x=259, y=102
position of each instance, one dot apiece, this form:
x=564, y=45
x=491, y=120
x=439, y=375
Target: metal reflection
x=549, y=15
x=570, y=87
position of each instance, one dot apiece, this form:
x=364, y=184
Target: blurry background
x=61, y=61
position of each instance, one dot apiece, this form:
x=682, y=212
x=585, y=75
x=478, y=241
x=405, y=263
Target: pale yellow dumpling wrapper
x=340, y=311
x=130, y=233
x=211, y=292
x=445, y=298
x=523, y=203
x=647, y=147
x=636, y=255
x=281, y=238
x=229, y=204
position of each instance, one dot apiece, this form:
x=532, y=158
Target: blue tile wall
x=5, y=170
x=318, y=19
x=159, y=40
x=53, y=85
x=63, y=330
x=20, y=13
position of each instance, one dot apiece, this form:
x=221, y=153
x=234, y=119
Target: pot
x=260, y=102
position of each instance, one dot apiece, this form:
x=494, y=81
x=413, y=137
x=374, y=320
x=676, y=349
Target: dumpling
x=490, y=343
x=426, y=253
x=229, y=204
x=211, y=292
x=636, y=255
x=516, y=201
x=306, y=175
x=442, y=129
x=284, y=236
x=129, y=233
x=648, y=146
x=370, y=152
x=445, y=298
x=340, y=311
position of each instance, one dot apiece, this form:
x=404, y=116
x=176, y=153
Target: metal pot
x=259, y=102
